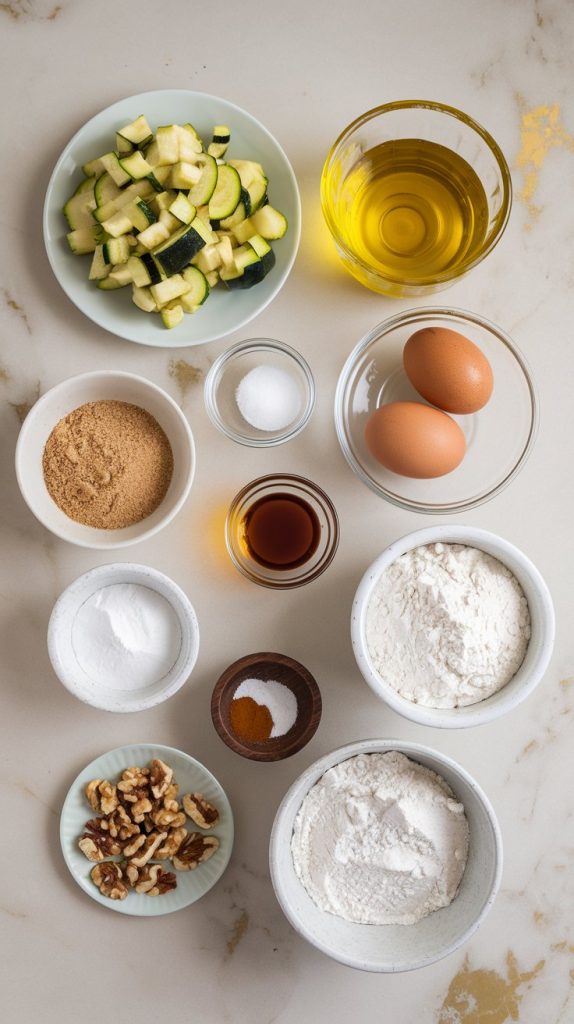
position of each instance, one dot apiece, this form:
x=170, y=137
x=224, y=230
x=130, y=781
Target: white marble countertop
x=305, y=70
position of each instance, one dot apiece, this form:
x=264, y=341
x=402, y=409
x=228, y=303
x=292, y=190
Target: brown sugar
x=108, y=464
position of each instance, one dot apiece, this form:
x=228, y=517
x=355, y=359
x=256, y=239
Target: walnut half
x=109, y=880
x=194, y=850
x=200, y=810
x=152, y=879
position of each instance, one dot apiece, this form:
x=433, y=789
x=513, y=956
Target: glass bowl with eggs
x=436, y=410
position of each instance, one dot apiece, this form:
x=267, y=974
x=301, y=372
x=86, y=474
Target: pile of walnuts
x=140, y=820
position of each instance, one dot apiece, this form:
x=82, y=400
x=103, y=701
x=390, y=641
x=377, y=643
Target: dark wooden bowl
x=283, y=670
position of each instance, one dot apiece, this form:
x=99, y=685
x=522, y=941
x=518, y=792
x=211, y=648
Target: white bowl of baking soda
x=123, y=637
x=385, y=855
x=452, y=626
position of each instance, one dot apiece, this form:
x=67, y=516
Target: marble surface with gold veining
x=305, y=70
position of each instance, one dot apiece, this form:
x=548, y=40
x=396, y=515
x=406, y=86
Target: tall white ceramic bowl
x=97, y=692
x=392, y=948
x=539, y=648
x=63, y=399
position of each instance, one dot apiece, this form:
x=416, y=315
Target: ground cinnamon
x=108, y=464
x=250, y=721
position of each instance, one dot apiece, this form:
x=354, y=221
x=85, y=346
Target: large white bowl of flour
x=389, y=947
x=452, y=626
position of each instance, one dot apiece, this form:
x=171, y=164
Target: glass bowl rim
x=328, y=507
x=218, y=368
x=377, y=332
x=441, y=108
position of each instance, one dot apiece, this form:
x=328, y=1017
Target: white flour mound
x=380, y=840
x=447, y=625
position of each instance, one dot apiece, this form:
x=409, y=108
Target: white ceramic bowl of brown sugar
x=121, y=469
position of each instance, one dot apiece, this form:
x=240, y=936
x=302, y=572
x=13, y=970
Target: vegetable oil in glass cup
x=415, y=194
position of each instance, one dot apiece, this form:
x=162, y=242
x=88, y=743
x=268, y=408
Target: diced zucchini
x=227, y=193
x=136, y=166
x=154, y=235
x=111, y=164
x=123, y=146
x=121, y=275
x=212, y=278
x=189, y=143
x=142, y=189
x=139, y=273
x=242, y=211
x=151, y=154
x=118, y=224
x=244, y=230
x=257, y=191
x=198, y=287
x=137, y=132
x=269, y=222
x=143, y=298
x=248, y=170
x=220, y=141
x=172, y=316
x=151, y=267
x=244, y=256
x=202, y=192
x=184, y=175
x=208, y=258
x=163, y=200
x=167, y=139
x=169, y=221
x=182, y=209
x=171, y=288
x=93, y=168
x=116, y=250
x=105, y=189
x=99, y=268
x=258, y=243
x=178, y=251
x=161, y=176
x=85, y=185
x=110, y=284
x=139, y=214
x=225, y=250
x=78, y=211
x=84, y=240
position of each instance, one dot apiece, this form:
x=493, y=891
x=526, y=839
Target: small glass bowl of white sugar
x=123, y=637
x=260, y=393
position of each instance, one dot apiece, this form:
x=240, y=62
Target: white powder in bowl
x=380, y=839
x=268, y=398
x=447, y=625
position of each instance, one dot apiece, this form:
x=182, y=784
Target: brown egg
x=414, y=440
x=448, y=370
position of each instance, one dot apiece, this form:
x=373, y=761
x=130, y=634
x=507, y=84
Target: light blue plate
x=192, y=777
x=224, y=311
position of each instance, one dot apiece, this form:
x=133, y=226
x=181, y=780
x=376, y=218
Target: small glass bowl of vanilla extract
x=282, y=531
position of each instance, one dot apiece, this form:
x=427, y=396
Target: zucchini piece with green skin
x=110, y=284
x=84, y=240
x=79, y=210
x=151, y=267
x=139, y=213
x=136, y=166
x=172, y=315
x=182, y=209
x=243, y=210
x=100, y=267
x=250, y=268
x=198, y=290
x=225, y=199
x=116, y=250
x=169, y=221
x=85, y=185
x=219, y=142
x=248, y=170
x=137, y=132
x=163, y=200
x=111, y=164
x=105, y=189
x=118, y=224
x=123, y=146
x=121, y=275
x=269, y=222
x=190, y=145
x=178, y=251
x=139, y=272
x=201, y=193
x=142, y=189
x=257, y=193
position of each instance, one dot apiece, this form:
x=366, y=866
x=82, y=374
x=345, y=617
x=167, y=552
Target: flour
x=447, y=625
x=380, y=840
